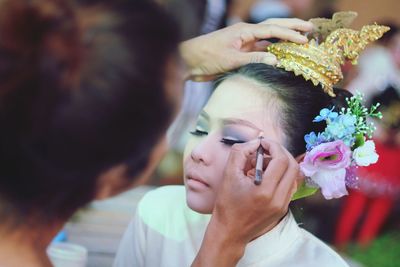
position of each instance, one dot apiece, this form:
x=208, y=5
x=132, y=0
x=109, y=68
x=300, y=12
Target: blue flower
x=310, y=139
x=326, y=114
x=313, y=140
x=343, y=128
x=348, y=121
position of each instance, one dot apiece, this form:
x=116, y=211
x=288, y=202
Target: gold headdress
x=331, y=43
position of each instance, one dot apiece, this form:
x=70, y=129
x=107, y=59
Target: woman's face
x=237, y=112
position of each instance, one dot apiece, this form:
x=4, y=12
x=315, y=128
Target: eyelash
x=230, y=142
x=198, y=132
x=225, y=141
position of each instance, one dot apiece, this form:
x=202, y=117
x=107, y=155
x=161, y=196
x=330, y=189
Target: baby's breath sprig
x=361, y=113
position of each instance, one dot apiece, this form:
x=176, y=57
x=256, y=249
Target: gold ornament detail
x=321, y=63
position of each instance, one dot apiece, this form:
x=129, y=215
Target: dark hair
x=299, y=101
x=81, y=91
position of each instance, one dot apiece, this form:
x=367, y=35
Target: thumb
x=257, y=57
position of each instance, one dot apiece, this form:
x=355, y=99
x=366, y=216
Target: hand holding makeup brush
x=244, y=211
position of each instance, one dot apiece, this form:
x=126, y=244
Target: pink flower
x=326, y=165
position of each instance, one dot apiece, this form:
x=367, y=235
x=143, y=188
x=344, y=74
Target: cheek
x=220, y=158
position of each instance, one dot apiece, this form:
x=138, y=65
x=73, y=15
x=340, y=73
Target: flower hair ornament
x=333, y=155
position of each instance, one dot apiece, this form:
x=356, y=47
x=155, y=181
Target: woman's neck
x=25, y=246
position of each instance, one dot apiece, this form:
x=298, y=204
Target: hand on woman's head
x=238, y=45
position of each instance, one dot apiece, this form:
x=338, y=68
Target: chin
x=196, y=204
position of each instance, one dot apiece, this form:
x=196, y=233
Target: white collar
x=277, y=240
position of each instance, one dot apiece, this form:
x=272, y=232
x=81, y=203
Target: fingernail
x=310, y=24
x=270, y=60
x=303, y=38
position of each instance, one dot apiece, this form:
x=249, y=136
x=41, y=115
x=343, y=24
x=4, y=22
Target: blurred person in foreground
x=88, y=89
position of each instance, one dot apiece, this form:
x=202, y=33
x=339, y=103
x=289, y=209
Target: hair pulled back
x=299, y=101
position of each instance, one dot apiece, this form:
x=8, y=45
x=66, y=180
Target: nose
x=203, y=151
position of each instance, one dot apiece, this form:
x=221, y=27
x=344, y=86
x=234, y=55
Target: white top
x=165, y=232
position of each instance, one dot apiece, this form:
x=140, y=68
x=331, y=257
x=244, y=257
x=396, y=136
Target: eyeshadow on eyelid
x=234, y=134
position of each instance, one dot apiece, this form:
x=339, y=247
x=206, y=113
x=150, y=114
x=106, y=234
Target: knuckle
x=279, y=207
x=246, y=36
x=262, y=198
x=276, y=207
x=235, y=61
x=296, y=169
x=282, y=161
x=237, y=148
x=256, y=58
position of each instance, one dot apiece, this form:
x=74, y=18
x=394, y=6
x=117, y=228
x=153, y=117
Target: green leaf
x=304, y=191
x=359, y=140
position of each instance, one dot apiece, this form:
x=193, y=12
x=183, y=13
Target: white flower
x=365, y=154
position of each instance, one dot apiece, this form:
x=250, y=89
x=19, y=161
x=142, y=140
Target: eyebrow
x=241, y=122
x=227, y=121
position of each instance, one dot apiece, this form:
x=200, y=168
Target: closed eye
x=198, y=132
x=231, y=142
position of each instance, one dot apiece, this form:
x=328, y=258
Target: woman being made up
x=87, y=91
x=254, y=100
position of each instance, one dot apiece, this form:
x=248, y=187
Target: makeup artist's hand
x=243, y=210
x=237, y=45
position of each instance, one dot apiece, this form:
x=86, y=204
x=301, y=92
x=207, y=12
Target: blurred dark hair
x=81, y=91
x=299, y=101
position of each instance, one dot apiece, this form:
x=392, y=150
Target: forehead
x=242, y=98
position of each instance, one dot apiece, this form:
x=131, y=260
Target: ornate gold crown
x=331, y=44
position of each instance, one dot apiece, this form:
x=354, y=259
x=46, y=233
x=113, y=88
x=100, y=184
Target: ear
x=300, y=157
x=115, y=180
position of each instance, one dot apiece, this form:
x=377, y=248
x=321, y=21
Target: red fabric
x=383, y=177
x=376, y=209
x=379, y=185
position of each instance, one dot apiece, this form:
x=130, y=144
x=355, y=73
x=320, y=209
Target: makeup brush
x=259, y=162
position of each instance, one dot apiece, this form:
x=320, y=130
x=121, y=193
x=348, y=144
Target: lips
x=194, y=179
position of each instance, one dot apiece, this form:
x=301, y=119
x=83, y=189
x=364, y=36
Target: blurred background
x=364, y=226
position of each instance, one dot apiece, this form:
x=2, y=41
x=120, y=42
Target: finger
x=240, y=153
x=256, y=57
x=276, y=167
x=202, y=78
x=266, y=31
x=287, y=185
x=260, y=45
x=267, y=160
x=251, y=173
x=291, y=23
